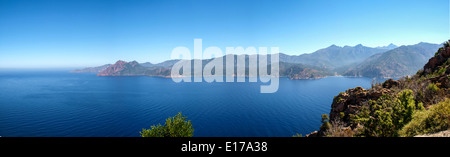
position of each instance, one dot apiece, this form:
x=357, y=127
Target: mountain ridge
x=401, y=61
x=91, y=69
x=359, y=61
x=333, y=56
x=290, y=70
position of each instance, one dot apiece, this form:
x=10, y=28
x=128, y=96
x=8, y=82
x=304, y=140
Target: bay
x=62, y=104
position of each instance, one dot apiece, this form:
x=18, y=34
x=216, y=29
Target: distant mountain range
x=123, y=68
x=334, y=56
x=360, y=61
x=401, y=61
x=389, y=47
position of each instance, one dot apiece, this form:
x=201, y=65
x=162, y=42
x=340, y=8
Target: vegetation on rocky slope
x=435, y=119
x=408, y=107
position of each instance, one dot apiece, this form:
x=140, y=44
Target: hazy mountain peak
x=333, y=46
x=388, y=47
x=134, y=63
x=91, y=69
x=334, y=56
x=120, y=62
x=401, y=61
x=425, y=43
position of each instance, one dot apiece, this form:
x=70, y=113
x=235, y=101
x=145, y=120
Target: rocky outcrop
x=349, y=102
x=439, y=59
x=313, y=134
x=439, y=68
x=122, y=68
x=113, y=70
x=445, y=133
x=390, y=83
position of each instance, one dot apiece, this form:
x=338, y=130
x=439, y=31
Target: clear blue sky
x=78, y=33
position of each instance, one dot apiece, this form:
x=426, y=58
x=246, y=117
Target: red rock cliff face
x=122, y=68
x=114, y=69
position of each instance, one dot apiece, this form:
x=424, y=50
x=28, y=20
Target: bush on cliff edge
x=435, y=119
x=177, y=126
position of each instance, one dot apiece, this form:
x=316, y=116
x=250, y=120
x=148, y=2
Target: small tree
x=325, y=123
x=177, y=126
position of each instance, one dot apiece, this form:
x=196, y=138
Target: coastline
x=315, y=78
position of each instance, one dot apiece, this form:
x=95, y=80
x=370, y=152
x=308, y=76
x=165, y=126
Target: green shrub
x=377, y=117
x=174, y=127
x=442, y=71
x=419, y=72
x=341, y=115
x=325, y=122
x=436, y=118
x=433, y=94
x=385, y=116
x=432, y=87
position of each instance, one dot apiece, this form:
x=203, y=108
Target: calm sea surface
x=58, y=103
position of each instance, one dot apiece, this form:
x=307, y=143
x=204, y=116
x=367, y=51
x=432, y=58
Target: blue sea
x=60, y=104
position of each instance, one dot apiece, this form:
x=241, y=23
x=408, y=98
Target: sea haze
x=59, y=103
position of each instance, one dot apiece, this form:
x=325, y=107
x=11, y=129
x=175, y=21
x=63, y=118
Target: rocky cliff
x=440, y=60
x=113, y=70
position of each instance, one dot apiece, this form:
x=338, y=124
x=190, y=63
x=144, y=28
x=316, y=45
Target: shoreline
x=248, y=77
x=163, y=76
